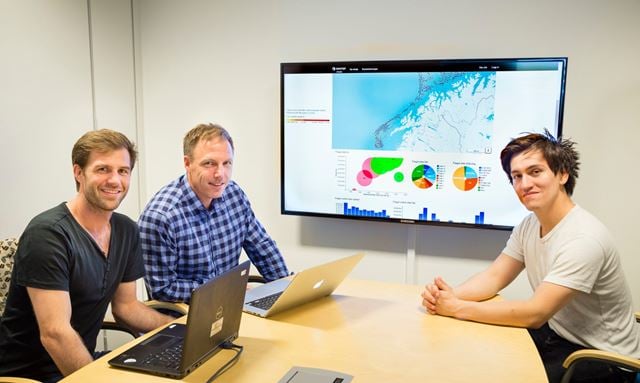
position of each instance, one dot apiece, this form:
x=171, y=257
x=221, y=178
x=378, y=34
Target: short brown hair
x=103, y=140
x=560, y=154
x=203, y=132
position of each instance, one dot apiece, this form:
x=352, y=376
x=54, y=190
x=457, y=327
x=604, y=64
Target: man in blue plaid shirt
x=195, y=227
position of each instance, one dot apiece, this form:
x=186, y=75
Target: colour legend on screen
x=356, y=211
x=483, y=178
x=292, y=119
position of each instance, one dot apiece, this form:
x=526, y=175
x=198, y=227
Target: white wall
x=219, y=61
x=62, y=73
x=45, y=104
x=114, y=78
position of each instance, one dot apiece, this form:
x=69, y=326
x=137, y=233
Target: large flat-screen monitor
x=412, y=141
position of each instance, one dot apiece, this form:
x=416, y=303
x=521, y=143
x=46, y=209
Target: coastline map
x=444, y=112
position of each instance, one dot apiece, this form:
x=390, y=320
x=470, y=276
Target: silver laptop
x=305, y=286
x=213, y=322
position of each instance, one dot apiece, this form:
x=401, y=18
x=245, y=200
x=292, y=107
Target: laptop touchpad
x=161, y=341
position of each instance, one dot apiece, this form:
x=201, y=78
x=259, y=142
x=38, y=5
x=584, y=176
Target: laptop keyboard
x=265, y=303
x=169, y=357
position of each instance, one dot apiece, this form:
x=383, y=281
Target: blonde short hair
x=203, y=132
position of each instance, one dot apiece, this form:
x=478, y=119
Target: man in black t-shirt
x=72, y=260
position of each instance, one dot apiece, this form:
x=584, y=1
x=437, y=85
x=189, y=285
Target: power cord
x=227, y=346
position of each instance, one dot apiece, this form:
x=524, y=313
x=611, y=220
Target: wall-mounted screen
x=412, y=141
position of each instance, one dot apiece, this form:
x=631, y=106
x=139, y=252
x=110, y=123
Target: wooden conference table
x=375, y=331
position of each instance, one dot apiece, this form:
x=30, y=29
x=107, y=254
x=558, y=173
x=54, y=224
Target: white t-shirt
x=580, y=254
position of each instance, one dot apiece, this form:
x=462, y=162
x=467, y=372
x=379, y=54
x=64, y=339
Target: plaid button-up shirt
x=185, y=245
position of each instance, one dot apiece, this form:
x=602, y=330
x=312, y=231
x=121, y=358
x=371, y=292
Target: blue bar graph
x=424, y=216
x=480, y=218
x=356, y=211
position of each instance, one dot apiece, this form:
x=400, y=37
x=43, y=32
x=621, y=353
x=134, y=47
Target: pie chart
x=423, y=176
x=465, y=178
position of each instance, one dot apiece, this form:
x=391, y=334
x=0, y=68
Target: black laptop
x=214, y=318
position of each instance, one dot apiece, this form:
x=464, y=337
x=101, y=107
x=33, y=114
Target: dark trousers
x=554, y=349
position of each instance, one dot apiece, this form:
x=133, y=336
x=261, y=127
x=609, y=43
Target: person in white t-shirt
x=580, y=296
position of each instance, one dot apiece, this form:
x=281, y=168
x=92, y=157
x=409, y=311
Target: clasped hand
x=438, y=298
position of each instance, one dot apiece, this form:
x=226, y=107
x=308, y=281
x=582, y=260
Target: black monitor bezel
x=429, y=65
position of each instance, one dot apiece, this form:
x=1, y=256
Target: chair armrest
x=178, y=307
x=260, y=279
x=10, y=379
x=183, y=308
x=112, y=325
x=604, y=356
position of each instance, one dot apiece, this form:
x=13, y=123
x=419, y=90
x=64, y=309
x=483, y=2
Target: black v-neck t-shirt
x=56, y=253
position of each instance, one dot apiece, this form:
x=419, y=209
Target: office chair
x=606, y=357
x=8, y=248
